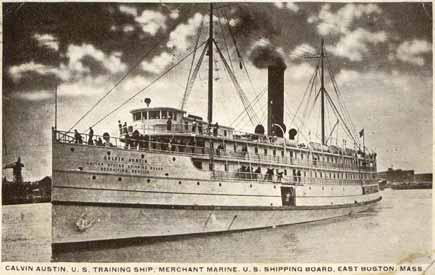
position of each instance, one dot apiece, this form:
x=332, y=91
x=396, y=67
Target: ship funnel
x=275, y=105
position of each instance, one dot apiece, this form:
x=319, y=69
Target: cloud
x=16, y=72
x=158, y=63
x=181, y=37
x=287, y=5
x=74, y=68
x=411, y=51
x=174, y=14
x=355, y=44
x=34, y=95
x=152, y=21
x=77, y=53
x=342, y=20
x=302, y=50
x=86, y=86
x=128, y=28
x=128, y=10
x=47, y=40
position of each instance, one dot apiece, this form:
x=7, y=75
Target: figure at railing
x=169, y=124
x=120, y=127
x=77, y=137
x=91, y=136
x=269, y=174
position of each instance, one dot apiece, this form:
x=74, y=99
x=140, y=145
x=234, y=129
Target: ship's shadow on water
x=116, y=250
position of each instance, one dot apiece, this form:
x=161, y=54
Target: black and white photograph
x=292, y=135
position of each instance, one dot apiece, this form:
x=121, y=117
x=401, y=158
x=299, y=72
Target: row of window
x=161, y=114
x=292, y=154
x=315, y=174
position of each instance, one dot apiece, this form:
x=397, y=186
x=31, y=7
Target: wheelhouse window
x=154, y=114
x=137, y=116
x=164, y=114
x=144, y=115
x=265, y=152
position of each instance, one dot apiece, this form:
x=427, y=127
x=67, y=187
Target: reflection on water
x=394, y=229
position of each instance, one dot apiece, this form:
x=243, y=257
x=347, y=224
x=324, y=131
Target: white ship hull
x=136, y=194
x=116, y=222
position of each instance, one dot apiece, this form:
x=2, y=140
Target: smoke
x=263, y=54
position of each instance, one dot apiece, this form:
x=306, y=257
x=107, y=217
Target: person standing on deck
x=169, y=124
x=91, y=136
x=77, y=137
x=124, y=128
x=120, y=127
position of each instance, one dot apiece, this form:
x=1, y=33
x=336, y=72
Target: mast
x=322, y=91
x=210, y=87
x=210, y=69
x=55, y=108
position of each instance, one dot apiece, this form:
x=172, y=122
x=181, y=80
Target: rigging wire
x=338, y=93
x=149, y=85
x=340, y=117
x=191, y=65
x=189, y=87
x=224, y=39
x=254, y=102
x=118, y=82
x=252, y=115
x=232, y=35
x=305, y=93
x=241, y=60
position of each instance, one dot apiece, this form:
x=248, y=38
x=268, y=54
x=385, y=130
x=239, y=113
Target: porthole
x=143, y=156
x=220, y=184
x=148, y=180
x=271, y=204
x=119, y=179
x=166, y=174
x=173, y=159
x=94, y=177
x=274, y=187
x=250, y=185
x=108, y=153
x=198, y=183
x=72, y=149
x=179, y=182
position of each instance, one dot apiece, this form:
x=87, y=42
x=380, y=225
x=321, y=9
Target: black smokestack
x=275, y=105
x=264, y=55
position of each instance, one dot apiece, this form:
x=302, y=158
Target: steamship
x=173, y=173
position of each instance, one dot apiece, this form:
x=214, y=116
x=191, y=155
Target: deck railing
x=200, y=151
